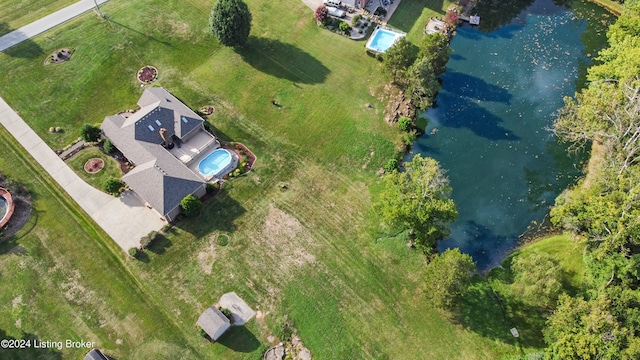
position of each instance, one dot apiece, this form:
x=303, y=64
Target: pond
x=490, y=128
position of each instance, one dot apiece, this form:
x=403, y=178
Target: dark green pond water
x=503, y=85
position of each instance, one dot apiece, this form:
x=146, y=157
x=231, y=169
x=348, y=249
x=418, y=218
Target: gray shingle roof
x=213, y=322
x=159, y=178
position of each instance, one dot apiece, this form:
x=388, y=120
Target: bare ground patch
x=207, y=256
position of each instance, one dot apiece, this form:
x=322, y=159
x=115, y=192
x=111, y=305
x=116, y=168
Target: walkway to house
x=125, y=218
x=39, y=26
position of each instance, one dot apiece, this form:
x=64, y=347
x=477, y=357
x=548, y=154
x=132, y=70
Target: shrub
x=237, y=172
x=191, y=205
x=356, y=19
x=90, y=133
x=228, y=314
x=344, y=27
x=409, y=137
x=147, y=240
x=320, y=13
x=108, y=146
x=112, y=186
x=391, y=165
x=133, y=252
x=202, y=332
x=405, y=123
x=451, y=17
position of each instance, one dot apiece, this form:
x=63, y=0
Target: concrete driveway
x=125, y=218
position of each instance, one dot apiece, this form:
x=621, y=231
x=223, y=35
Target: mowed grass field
x=303, y=250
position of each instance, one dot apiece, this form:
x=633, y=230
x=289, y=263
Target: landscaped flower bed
x=93, y=165
x=147, y=74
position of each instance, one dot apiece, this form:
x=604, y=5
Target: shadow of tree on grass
x=480, y=312
x=283, y=60
x=26, y=49
x=27, y=352
x=160, y=245
x=218, y=213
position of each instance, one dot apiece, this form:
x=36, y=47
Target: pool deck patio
x=201, y=143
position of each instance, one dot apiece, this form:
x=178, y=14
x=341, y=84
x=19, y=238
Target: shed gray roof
x=95, y=354
x=213, y=322
x=240, y=311
x=159, y=178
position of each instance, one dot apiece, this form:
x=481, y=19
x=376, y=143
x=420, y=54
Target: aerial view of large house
x=163, y=139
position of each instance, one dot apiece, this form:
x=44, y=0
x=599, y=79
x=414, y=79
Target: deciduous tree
x=422, y=84
x=397, y=59
x=539, y=279
x=320, y=13
x=447, y=277
x=418, y=199
x=435, y=48
x=230, y=22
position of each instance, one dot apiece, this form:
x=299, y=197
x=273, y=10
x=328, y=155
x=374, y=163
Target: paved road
x=126, y=219
x=47, y=22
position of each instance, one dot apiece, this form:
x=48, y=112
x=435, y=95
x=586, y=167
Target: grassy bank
x=524, y=312
x=308, y=254
x=612, y=6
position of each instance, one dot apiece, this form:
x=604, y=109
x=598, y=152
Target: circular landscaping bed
x=58, y=56
x=147, y=74
x=93, y=165
x=207, y=110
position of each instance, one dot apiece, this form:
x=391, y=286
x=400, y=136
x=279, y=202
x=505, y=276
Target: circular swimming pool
x=216, y=164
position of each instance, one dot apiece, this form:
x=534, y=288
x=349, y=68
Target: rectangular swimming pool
x=383, y=38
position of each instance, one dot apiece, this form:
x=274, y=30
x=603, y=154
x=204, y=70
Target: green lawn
x=16, y=14
x=111, y=166
x=311, y=255
x=412, y=16
x=530, y=319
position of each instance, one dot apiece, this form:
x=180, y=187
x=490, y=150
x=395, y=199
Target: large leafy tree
x=538, y=278
x=397, y=59
x=422, y=84
x=447, y=277
x=586, y=329
x=418, y=199
x=230, y=22
x=435, y=48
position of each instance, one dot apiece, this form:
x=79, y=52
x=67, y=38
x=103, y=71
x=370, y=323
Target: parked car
x=335, y=12
x=333, y=3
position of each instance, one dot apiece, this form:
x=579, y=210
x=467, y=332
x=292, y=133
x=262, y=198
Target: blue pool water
x=3, y=207
x=215, y=163
x=382, y=39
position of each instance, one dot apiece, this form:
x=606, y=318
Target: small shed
x=240, y=311
x=95, y=354
x=213, y=322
